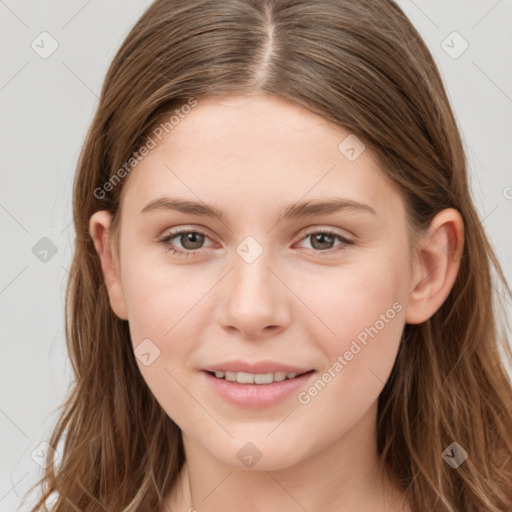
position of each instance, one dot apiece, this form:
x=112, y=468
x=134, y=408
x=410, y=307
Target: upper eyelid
x=177, y=231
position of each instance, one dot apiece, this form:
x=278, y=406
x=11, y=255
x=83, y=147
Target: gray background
x=46, y=107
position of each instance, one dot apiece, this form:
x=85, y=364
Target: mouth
x=256, y=378
x=245, y=389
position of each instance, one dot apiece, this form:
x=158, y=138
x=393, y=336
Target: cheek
x=159, y=310
x=364, y=310
x=165, y=314
x=362, y=297
x=158, y=297
x=358, y=361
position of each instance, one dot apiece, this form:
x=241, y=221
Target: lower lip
x=256, y=395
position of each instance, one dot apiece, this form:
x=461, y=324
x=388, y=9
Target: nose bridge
x=255, y=297
x=251, y=275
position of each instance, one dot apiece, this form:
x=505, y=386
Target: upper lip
x=259, y=367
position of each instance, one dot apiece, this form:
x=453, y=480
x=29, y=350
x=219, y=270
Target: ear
x=436, y=265
x=99, y=229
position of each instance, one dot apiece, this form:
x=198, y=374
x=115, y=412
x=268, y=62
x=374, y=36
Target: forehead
x=250, y=151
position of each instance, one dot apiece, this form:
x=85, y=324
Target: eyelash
x=170, y=247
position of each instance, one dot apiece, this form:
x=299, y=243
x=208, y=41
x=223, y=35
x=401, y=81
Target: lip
x=255, y=367
x=256, y=395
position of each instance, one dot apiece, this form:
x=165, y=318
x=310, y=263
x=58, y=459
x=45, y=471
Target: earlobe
x=436, y=266
x=99, y=229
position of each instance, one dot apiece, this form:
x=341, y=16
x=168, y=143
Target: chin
x=258, y=456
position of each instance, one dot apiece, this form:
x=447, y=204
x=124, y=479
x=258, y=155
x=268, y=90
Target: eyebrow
x=293, y=211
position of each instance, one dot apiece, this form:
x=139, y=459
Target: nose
x=254, y=301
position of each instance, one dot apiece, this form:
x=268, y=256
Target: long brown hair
x=364, y=67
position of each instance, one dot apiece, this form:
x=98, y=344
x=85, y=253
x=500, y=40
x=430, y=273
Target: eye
x=190, y=240
x=322, y=241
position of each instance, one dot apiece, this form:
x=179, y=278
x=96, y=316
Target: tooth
x=264, y=378
x=245, y=378
x=279, y=376
x=258, y=378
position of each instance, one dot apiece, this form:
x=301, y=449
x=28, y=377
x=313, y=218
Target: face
x=268, y=287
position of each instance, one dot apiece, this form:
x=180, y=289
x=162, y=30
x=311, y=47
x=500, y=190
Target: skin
x=252, y=156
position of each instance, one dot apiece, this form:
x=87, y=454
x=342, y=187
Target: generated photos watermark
x=152, y=140
x=357, y=345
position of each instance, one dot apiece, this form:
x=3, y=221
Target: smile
x=255, y=390
x=255, y=378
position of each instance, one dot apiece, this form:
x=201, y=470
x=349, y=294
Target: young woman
x=281, y=293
